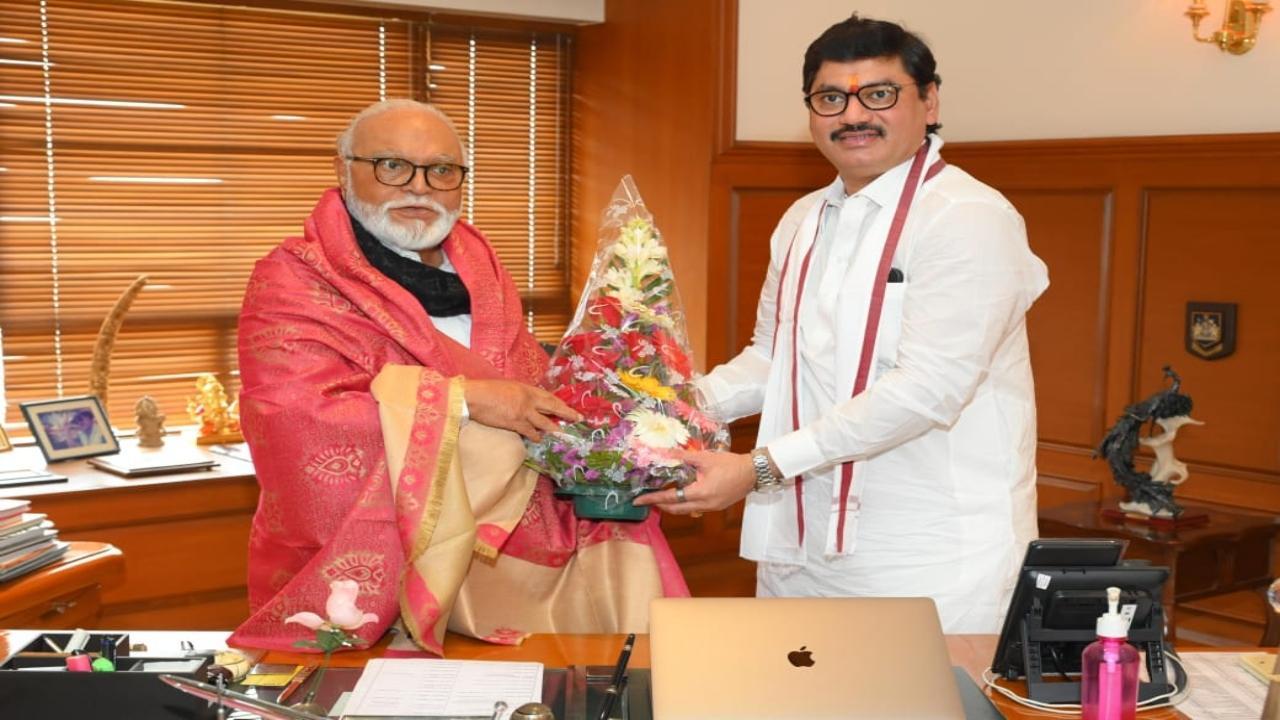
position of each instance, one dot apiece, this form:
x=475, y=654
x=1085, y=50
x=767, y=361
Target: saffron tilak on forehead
x=853, y=83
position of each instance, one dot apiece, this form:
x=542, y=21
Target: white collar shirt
x=845, y=221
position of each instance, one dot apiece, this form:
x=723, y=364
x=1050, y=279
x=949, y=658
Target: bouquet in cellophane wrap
x=624, y=363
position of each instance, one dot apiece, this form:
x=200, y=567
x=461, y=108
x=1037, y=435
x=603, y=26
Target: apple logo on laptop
x=801, y=657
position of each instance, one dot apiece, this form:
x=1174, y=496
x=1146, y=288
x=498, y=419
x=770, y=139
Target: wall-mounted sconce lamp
x=1239, y=30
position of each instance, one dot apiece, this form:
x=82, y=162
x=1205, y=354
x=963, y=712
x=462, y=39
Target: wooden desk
x=183, y=536
x=972, y=652
x=66, y=594
x=1231, y=552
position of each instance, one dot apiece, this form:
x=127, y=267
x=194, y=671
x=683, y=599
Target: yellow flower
x=648, y=385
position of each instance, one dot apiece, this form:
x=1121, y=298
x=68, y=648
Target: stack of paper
x=1221, y=687
x=27, y=540
x=443, y=688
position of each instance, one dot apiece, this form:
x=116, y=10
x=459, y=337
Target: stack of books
x=28, y=541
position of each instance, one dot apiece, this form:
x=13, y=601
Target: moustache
x=860, y=127
x=419, y=204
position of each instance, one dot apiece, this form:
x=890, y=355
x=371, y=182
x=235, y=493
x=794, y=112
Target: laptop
x=774, y=658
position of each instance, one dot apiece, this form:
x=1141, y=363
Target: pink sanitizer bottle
x=1109, y=686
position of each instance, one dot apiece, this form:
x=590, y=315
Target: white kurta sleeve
x=971, y=279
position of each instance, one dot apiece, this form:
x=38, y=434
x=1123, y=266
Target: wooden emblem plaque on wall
x=1211, y=329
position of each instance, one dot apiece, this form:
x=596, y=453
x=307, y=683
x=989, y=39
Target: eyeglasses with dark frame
x=398, y=172
x=879, y=96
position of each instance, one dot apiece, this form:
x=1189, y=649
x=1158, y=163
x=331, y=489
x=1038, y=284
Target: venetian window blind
x=184, y=141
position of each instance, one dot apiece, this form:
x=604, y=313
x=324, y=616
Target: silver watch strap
x=766, y=480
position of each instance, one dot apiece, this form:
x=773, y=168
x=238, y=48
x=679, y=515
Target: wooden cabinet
x=184, y=538
x=66, y=594
x=1233, y=551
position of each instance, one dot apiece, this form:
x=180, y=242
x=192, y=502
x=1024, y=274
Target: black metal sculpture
x=1122, y=441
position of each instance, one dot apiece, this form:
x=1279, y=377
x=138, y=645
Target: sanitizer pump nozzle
x=1109, y=682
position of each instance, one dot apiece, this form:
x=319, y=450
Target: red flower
x=573, y=394
x=598, y=410
x=583, y=397
x=608, y=310
x=604, y=356
x=581, y=343
x=639, y=347
x=672, y=356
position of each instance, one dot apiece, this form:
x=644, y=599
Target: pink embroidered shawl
x=364, y=480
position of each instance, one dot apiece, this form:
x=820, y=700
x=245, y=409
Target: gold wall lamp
x=1239, y=31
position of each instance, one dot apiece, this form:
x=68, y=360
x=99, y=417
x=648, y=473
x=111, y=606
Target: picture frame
x=5, y=443
x=69, y=428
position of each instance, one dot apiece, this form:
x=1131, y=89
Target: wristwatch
x=766, y=480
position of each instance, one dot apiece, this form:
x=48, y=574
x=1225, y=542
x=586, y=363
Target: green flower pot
x=599, y=502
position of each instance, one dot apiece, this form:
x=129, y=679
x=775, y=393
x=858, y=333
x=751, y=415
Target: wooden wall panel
x=1217, y=245
x=642, y=81
x=1070, y=231
x=755, y=212
x=750, y=190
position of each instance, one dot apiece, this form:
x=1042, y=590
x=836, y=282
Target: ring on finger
x=680, y=495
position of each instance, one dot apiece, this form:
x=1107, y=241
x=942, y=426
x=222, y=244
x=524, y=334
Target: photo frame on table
x=69, y=428
x=5, y=443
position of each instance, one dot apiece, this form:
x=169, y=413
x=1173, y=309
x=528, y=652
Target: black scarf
x=441, y=293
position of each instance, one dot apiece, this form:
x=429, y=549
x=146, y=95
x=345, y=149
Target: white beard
x=413, y=235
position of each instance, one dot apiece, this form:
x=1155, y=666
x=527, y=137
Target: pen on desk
x=296, y=683
x=615, y=684
x=239, y=452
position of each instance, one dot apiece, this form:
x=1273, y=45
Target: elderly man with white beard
x=365, y=348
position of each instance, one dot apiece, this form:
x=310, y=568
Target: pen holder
x=35, y=683
x=588, y=694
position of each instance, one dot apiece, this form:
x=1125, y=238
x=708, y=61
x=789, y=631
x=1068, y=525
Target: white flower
x=648, y=267
x=659, y=319
x=638, y=247
x=616, y=277
x=657, y=430
x=640, y=250
x=340, y=607
x=631, y=298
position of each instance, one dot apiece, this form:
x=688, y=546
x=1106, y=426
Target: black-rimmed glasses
x=880, y=96
x=398, y=172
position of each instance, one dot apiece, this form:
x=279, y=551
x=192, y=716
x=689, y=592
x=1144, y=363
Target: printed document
x=1221, y=687
x=414, y=687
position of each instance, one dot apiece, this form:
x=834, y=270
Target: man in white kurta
x=897, y=408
